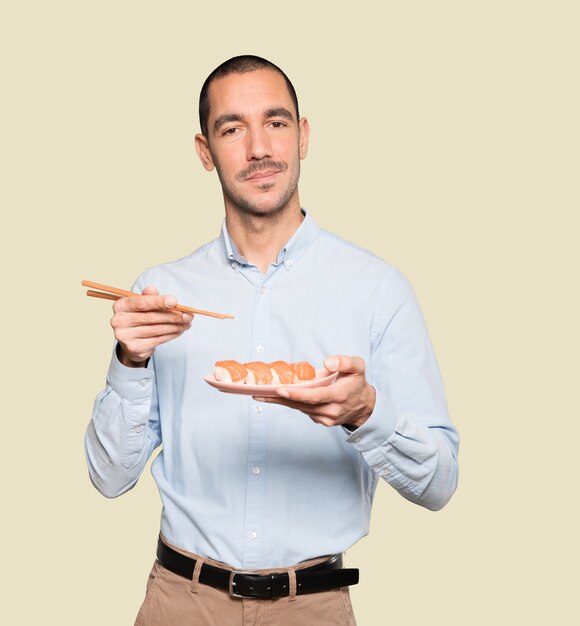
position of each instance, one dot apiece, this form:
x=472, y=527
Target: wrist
x=370, y=399
x=128, y=362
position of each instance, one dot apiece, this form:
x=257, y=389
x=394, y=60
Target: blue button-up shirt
x=260, y=485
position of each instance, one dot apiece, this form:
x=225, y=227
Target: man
x=264, y=485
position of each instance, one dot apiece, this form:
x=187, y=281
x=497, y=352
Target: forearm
x=409, y=439
x=121, y=434
x=418, y=460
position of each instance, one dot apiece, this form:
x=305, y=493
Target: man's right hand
x=143, y=322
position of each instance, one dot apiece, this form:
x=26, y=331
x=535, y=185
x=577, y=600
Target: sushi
x=282, y=372
x=230, y=372
x=260, y=373
x=303, y=371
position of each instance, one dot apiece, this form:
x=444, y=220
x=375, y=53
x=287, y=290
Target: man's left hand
x=350, y=400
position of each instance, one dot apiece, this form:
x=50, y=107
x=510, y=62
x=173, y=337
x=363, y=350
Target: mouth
x=263, y=176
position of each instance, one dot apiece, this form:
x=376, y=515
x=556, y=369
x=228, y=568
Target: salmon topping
x=236, y=371
x=284, y=371
x=260, y=372
x=304, y=371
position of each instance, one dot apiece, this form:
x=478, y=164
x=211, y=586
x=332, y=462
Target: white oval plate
x=322, y=379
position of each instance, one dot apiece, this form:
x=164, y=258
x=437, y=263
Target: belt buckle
x=232, y=583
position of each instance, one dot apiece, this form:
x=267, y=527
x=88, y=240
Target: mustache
x=261, y=166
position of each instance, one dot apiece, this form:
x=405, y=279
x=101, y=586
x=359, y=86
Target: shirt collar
x=233, y=255
x=296, y=246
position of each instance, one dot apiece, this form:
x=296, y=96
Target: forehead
x=248, y=93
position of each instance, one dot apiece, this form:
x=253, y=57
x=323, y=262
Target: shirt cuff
x=131, y=383
x=378, y=428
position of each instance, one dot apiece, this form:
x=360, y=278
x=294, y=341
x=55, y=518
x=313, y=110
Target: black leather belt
x=323, y=577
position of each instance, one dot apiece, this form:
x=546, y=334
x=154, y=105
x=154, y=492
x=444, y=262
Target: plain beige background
x=445, y=138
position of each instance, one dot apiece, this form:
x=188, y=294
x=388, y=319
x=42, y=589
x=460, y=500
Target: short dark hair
x=238, y=65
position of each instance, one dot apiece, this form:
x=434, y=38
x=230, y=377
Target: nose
x=259, y=145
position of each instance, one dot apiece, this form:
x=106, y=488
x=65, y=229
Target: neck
x=259, y=238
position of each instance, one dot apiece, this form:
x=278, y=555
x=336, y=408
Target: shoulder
x=349, y=256
x=206, y=254
x=356, y=265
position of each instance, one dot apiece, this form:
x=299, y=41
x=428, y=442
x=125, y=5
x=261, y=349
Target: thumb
x=345, y=364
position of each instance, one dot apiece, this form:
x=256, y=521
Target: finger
x=130, y=319
x=170, y=301
x=326, y=414
x=169, y=337
x=133, y=338
x=125, y=321
x=345, y=364
x=311, y=398
x=157, y=330
x=318, y=395
x=144, y=303
x=309, y=409
x=148, y=345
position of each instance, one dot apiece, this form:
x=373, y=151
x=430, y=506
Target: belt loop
x=195, y=578
x=292, y=584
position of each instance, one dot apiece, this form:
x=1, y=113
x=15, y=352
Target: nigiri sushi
x=230, y=372
x=303, y=371
x=259, y=373
x=282, y=372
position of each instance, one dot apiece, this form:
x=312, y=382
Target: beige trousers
x=172, y=600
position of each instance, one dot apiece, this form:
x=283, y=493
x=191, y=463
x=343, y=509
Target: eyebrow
x=236, y=117
x=278, y=112
x=224, y=119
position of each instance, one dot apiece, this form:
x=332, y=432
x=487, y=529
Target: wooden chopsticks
x=113, y=293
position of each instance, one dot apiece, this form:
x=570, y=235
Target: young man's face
x=254, y=141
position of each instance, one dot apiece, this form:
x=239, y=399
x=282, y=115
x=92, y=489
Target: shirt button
x=138, y=429
x=256, y=470
x=386, y=472
x=356, y=439
x=144, y=382
x=259, y=409
x=262, y=290
x=252, y=536
x=260, y=349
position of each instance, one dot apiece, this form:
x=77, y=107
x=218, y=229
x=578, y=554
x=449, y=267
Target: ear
x=203, y=152
x=304, y=130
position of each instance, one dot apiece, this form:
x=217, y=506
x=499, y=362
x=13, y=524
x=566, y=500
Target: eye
x=278, y=124
x=229, y=132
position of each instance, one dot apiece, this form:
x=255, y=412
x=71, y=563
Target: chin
x=260, y=206
x=259, y=210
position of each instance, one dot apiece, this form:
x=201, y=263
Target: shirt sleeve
x=409, y=439
x=124, y=429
